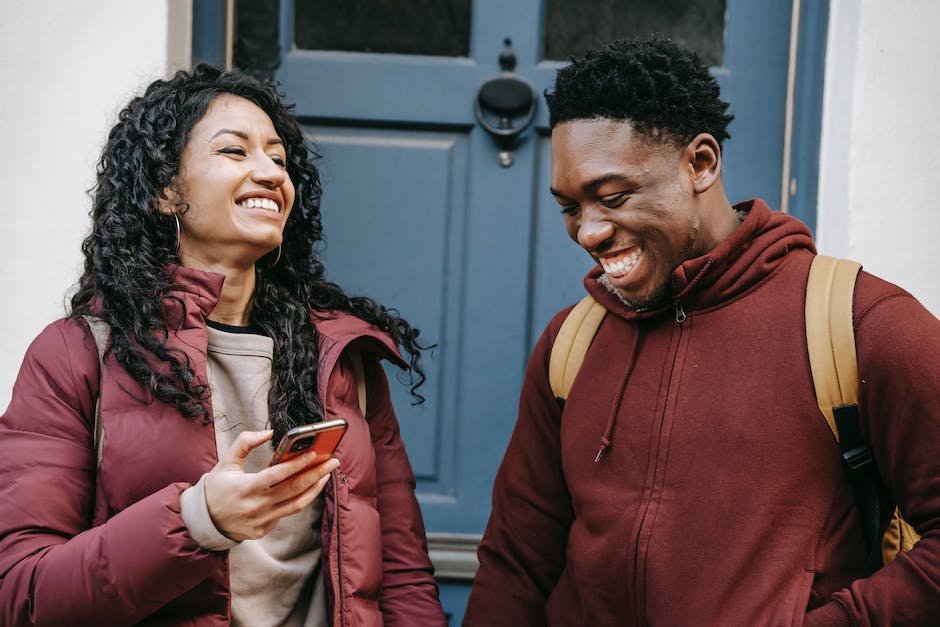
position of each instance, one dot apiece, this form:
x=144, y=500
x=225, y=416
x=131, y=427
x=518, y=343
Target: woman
x=202, y=263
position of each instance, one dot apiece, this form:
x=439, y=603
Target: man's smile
x=621, y=264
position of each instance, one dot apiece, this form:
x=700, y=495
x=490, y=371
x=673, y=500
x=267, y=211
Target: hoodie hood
x=742, y=261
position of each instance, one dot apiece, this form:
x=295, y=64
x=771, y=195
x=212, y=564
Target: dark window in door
x=425, y=27
x=573, y=26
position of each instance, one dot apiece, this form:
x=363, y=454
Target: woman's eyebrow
x=243, y=135
x=230, y=131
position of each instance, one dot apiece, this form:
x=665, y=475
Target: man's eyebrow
x=614, y=177
x=594, y=183
x=244, y=135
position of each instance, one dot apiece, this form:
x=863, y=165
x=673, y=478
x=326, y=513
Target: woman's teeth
x=622, y=266
x=260, y=203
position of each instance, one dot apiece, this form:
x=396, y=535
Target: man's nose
x=593, y=230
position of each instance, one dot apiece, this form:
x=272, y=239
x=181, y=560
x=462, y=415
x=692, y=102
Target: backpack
x=830, y=339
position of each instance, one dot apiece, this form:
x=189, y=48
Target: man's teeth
x=260, y=203
x=622, y=266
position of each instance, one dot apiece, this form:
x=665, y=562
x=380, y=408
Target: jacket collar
x=195, y=294
x=204, y=287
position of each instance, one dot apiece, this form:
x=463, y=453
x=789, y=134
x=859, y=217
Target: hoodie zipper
x=642, y=546
x=680, y=312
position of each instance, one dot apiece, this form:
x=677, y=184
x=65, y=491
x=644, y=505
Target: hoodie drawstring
x=615, y=406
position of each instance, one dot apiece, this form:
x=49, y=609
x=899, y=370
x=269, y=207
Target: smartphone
x=322, y=437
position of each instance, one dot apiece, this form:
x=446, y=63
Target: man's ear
x=704, y=158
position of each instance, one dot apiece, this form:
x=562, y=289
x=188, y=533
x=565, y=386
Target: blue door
x=426, y=212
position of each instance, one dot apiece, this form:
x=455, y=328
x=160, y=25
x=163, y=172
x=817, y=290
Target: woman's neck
x=234, y=305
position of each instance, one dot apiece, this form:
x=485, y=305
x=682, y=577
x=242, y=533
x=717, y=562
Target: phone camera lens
x=301, y=445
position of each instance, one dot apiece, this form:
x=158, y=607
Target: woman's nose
x=266, y=172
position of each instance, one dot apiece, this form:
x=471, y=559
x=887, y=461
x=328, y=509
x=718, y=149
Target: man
x=690, y=478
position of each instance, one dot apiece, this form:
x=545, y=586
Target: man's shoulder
x=870, y=287
x=873, y=293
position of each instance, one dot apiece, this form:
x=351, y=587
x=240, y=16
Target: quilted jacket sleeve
x=522, y=553
x=56, y=569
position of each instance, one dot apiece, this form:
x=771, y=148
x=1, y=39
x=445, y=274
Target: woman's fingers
x=296, y=503
x=277, y=473
x=302, y=480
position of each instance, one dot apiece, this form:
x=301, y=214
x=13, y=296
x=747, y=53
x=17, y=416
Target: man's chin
x=655, y=300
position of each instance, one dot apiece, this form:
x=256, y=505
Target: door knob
x=505, y=105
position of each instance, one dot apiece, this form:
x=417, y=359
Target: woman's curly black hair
x=658, y=86
x=129, y=256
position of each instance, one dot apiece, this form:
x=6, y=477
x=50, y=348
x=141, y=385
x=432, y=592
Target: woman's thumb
x=243, y=444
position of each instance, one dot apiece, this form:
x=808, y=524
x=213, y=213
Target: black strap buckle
x=858, y=458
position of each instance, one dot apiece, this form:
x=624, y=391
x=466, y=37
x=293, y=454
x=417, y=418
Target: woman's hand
x=246, y=506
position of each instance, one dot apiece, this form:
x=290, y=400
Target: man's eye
x=614, y=200
x=571, y=210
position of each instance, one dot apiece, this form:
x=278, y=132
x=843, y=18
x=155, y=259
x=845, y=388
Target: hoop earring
x=177, y=218
x=278, y=258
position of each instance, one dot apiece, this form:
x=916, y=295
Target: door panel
x=394, y=181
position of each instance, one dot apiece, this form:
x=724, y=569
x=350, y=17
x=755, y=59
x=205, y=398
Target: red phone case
x=322, y=437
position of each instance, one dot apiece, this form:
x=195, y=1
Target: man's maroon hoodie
x=690, y=478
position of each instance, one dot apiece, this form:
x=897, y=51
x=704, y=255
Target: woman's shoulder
x=61, y=361
x=69, y=338
x=338, y=330
x=339, y=325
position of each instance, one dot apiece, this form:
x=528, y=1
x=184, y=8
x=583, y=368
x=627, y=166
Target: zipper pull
x=680, y=312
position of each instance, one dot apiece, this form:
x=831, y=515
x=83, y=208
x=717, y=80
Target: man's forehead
x=620, y=131
x=602, y=139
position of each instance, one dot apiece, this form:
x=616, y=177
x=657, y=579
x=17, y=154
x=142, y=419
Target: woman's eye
x=233, y=150
x=279, y=160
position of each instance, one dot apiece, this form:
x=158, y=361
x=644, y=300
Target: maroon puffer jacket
x=110, y=548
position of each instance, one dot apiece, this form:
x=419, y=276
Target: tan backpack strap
x=101, y=332
x=830, y=336
x=572, y=343
x=360, y=373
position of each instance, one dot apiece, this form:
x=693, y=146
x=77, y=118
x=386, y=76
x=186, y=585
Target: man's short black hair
x=657, y=85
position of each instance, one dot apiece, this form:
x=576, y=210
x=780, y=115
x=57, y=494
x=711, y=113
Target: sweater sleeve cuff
x=195, y=514
x=829, y=615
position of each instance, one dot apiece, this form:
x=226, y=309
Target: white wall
x=67, y=68
x=880, y=160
